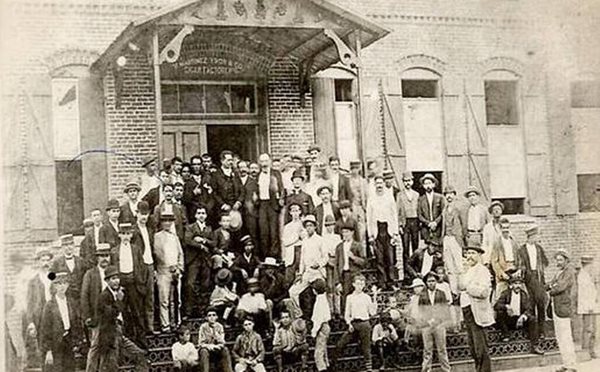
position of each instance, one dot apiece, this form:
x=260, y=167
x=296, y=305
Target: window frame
x=56, y=141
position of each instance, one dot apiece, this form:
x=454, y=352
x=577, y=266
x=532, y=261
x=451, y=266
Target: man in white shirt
x=149, y=180
x=474, y=218
x=313, y=261
x=503, y=257
x=339, y=182
x=382, y=228
x=587, y=304
x=143, y=241
x=270, y=200
x=491, y=230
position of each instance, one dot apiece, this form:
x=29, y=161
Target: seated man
x=211, y=343
x=385, y=338
x=249, y=349
x=424, y=260
x=222, y=298
x=272, y=282
x=514, y=309
x=289, y=343
x=245, y=265
x=254, y=304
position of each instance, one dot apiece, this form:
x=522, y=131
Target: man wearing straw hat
x=408, y=221
x=130, y=206
x=430, y=207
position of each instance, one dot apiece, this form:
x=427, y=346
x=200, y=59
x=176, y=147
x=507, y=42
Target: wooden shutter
x=536, y=139
x=323, y=94
x=29, y=160
x=371, y=124
x=479, y=173
x=393, y=124
x=455, y=130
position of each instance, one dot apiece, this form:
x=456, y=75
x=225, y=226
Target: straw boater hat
x=269, y=262
x=449, y=190
x=587, y=259
x=514, y=275
x=246, y=240
x=309, y=219
x=471, y=189
x=167, y=216
x=388, y=174
x=494, y=204
x=102, y=249
x=417, y=282
x=224, y=276
x=355, y=164
x=132, y=186
x=347, y=226
x=428, y=176
x=59, y=277
x=329, y=220
x=252, y=282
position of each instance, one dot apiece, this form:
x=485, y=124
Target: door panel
x=190, y=144
x=169, y=146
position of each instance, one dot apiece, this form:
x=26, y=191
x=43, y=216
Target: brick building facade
x=449, y=55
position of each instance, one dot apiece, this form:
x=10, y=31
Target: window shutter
x=323, y=91
x=29, y=161
x=479, y=174
x=371, y=125
x=536, y=145
x=457, y=161
x=393, y=124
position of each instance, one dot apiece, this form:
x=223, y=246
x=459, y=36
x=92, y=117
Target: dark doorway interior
x=241, y=139
x=417, y=185
x=69, y=196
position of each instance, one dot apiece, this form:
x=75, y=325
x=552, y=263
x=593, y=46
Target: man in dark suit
x=350, y=259
x=340, y=184
x=38, y=293
x=250, y=209
x=156, y=195
x=228, y=190
x=198, y=191
x=129, y=207
x=87, y=247
x=109, y=232
x=430, y=208
x=326, y=208
x=346, y=217
x=270, y=201
x=60, y=328
x=532, y=261
x=514, y=310
x=560, y=289
x=198, y=247
x=93, y=284
x=73, y=266
x=169, y=205
x=298, y=196
x=111, y=338
x=434, y=309
x=425, y=260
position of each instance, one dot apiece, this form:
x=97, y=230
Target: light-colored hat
x=532, y=230
x=428, y=176
x=408, y=176
x=236, y=220
x=562, y=252
x=102, y=249
x=494, y=204
x=132, y=185
x=309, y=218
x=67, y=239
x=417, y=282
x=270, y=261
x=472, y=189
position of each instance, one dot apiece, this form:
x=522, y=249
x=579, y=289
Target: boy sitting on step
x=184, y=353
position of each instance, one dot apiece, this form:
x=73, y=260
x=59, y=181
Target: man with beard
x=430, y=207
x=339, y=182
x=129, y=208
x=250, y=208
x=197, y=191
x=169, y=205
x=270, y=201
x=408, y=222
x=143, y=240
x=228, y=190
x=452, y=242
x=74, y=268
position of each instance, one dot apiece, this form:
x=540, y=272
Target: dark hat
x=347, y=226
x=329, y=220
x=148, y=160
x=532, y=230
x=407, y=176
x=298, y=174
x=112, y=204
x=514, y=275
x=314, y=148
x=67, y=239
x=249, y=317
x=132, y=185
x=470, y=190
x=496, y=203
x=252, y=282
x=323, y=188
x=143, y=207
x=110, y=272
x=125, y=227
x=102, y=249
x=294, y=203
x=431, y=273
x=475, y=248
x=449, y=190
x=224, y=276
x=345, y=204
x=319, y=286
x=246, y=239
x=167, y=184
x=309, y=219
x=428, y=176
x=434, y=242
x=586, y=259
x=167, y=216
x=388, y=174
x=355, y=164
x=88, y=222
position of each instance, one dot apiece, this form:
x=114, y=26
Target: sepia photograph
x=300, y=185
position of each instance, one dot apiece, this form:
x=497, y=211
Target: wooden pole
x=359, y=110
x=157, y=95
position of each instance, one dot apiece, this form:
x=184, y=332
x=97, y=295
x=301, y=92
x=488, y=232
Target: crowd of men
x=279, y=248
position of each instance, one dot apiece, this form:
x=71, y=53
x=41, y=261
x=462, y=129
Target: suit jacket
x=505, y=297
x=276, y=189
x=534, y=283
x=415, y=263
x=90, y=292
x=152, y=197
x=127, y=214
x=197, y=253
x=439, y=312
x=109, y=235
x=36, y=299
x=352, y=221
x=52, y=328
x=425, y=217
x=344, y=190
x=319, y=214
x=108, y=310
x=498, y=260
x=227, y=190
x=464, y=217
x=75, y=276
x=87, y=251
x=355, y=265
x=560, y=290
x=478, y=286
x=191, y=201
x=401, y=202
x=250, y=194
x=249, y=266
x=140, y=271
x=452, y=224
x=302, y=198
x=137, y=238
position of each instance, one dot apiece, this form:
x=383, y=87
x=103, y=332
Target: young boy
x=185, y=355
x=211, y=343
x=359, y=309
x=384, y=337
x=291, y=242
x=256, y=305
x=222, y=238
x=222, y=298
x=320, y=318
x=444, y=286
x=289, y=341
x=249, y=350
x=245, y=265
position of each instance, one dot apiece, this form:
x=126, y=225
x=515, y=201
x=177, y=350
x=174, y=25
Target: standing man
x=503, y=257
x=93, y=285
x=250, y=210
x=168, y=205
x=430, y=207
x=388, y=177
x=156, y=195
x=350, y=258
x=129, y=207
x=339, y=182
x=326, y=208
x=109, y=232
x=532, y=261
x=474, y=218
x=492, y=230
x=227, y=186
x=73, y=267
x=149, y=180
x=476, y=286
x=359, y=188
x=435, y=313
x=382, y=220
x=270, y=201
x=587, y=305
x=143, y=240
x=408, y=221
x=197, y=191
x=298, y=196
x=452, y=243
x=560, y=289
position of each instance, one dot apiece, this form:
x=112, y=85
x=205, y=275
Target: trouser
x=196, y=288
x=506, y=323
x=332, y=295
x=268, y=228
x=477, y=342
x=362, y=331
x=147, y=299
x=297, y=352
x=109, y=358
x=64, y=358
x=93, y=356
x=242, y=366
x=437, y=335
x=385, y=347
x=588, y=339
x=564, y=338
x=346, y=289
x=133, y=315
x=410, y=240
x=290, y=271
x=452, y=261
x=167, y=298
x=221, y=357
x=385, y=255
x=538, y=297
x=300, y=286
x=321, y=357
x=251, y=226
